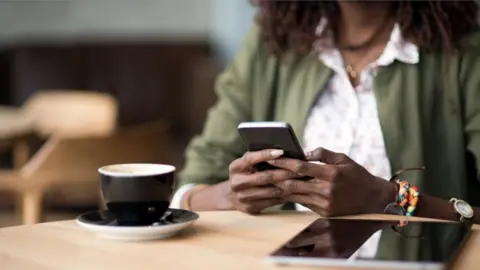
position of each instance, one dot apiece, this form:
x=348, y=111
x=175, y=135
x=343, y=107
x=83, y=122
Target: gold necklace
x=352, y=74
x=349, y=68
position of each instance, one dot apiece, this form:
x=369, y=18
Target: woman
x=384, y=86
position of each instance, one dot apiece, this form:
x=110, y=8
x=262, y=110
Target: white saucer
x=104, y=224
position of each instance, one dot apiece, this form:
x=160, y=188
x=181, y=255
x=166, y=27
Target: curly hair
x=428, y=24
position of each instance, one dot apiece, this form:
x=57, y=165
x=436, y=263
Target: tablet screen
x=366, y=242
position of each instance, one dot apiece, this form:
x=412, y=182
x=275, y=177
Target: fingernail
x=276, y=153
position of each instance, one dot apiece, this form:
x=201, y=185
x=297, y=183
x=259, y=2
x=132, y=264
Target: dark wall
x=151, y=80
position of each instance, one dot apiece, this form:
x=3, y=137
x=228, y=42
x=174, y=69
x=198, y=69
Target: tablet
x=374, y=244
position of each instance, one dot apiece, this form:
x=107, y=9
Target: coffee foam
x=136, y=169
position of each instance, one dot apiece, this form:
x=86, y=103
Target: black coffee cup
x=137, y=194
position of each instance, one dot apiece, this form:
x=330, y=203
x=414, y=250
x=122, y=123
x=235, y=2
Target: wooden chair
x=65, y=113
x=67, y=161
x=69, y=113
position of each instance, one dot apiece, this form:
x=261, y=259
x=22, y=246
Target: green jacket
x=429, y=114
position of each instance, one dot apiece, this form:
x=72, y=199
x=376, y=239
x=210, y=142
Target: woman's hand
x=339, y=186
x=251, y=191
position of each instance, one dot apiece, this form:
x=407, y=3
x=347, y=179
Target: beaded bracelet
x=407, y=197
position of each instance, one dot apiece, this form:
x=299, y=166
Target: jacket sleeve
x=209, y=154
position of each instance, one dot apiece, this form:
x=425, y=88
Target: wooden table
x=16, y=128
x=218, y=240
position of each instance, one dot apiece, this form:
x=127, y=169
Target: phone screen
x=271, y=135
x=259, y=136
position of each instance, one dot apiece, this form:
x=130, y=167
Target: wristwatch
x=463, y=210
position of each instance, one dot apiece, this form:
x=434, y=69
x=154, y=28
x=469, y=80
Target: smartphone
x=258, y=136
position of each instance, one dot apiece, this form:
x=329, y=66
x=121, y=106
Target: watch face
x=464, y=209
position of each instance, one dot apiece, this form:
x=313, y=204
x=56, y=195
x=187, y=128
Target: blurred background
x=84, y=83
